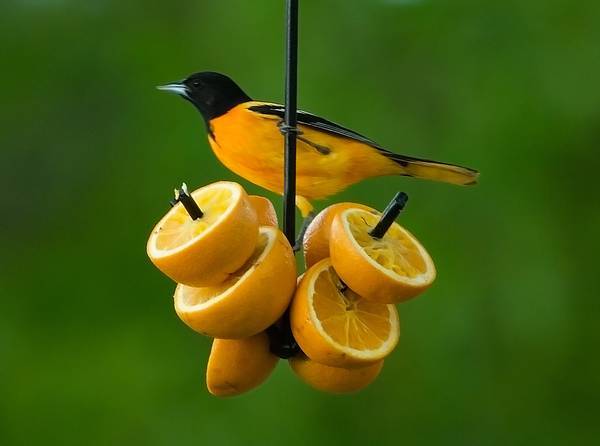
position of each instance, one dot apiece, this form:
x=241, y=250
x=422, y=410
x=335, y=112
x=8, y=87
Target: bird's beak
x=175, y=87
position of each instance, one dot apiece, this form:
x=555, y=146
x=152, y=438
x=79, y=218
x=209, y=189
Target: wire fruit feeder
x=241, y=333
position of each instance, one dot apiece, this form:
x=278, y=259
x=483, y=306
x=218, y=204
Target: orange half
x=206, y=251
x=391, y=269
x=335, y=326
x=250, y=300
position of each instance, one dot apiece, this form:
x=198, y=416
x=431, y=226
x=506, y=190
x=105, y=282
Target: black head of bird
x=213, y=94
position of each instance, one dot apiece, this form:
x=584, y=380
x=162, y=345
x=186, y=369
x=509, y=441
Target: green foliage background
x=502, y=350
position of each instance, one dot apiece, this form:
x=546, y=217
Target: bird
x=246, y=136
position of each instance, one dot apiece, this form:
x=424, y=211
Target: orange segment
x=335, y=326
x=391, y=269
x=205, y=251
x=250, y=299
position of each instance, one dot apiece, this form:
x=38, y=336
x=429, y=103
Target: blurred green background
x=502, y=350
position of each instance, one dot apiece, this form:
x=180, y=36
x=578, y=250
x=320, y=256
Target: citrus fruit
x=251, y=298
x=334, y=379
x=316, y=238
x=205, y=251
x=391, y=269
x=335, y=326
x=238, y=365
x=264, y=210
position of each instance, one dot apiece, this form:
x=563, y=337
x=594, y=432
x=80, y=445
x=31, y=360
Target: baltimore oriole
x=245, y=136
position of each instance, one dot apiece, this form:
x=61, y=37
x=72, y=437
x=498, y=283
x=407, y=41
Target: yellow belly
x=252, y=146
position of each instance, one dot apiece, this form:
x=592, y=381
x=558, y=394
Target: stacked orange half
x=206, y=250
x=389, y=269
x=236, y=275
x=342, y=314
x=334, y=326
x=251, y=299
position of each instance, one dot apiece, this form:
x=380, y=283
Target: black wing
x=316, y=122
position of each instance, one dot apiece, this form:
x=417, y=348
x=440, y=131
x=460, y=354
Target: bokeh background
x=502, y=350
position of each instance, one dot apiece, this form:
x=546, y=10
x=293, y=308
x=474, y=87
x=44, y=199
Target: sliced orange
x=264, y=210
x=236, y=366
x=334, y=379
x=335, y=326
x=206, y=251
x=251, y=299
x=316, y=238
x=387, y=270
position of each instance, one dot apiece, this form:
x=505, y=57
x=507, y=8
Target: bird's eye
x=196, y=84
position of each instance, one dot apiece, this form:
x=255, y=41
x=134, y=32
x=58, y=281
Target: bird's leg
x=308, y=213
x=305, y=224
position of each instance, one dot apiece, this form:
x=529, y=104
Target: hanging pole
x=281, y=339
x=289, y=128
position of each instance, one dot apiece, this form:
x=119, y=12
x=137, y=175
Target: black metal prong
x=175, y=200
x=389, y=215
x=182, y=196
x=342, y=287
x=298, y=244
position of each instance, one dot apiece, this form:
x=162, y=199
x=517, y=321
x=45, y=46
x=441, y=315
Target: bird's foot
x=305, y=224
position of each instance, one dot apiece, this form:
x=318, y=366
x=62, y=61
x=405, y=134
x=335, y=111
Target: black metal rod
x=290, y=121
x=182, y=196
x=282, y=342
x=389, y=215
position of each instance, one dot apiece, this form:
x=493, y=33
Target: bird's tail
x=434, y=170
